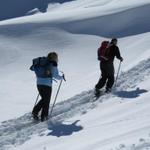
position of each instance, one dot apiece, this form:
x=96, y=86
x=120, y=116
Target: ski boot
x=35, y=116
x=97, y=92
x=108, y=90
x=44, y=118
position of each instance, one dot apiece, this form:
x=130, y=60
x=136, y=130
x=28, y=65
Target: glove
x=64, y=77
x=121, y=59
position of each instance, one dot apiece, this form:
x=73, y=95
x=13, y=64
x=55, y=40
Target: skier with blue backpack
x=45, y=69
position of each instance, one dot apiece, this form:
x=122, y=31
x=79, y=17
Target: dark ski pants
x=107, y=76
x=43, y=104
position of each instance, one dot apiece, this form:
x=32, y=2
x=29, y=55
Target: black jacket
x=112, y=53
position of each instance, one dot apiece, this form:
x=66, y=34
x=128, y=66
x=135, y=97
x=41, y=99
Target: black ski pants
x=107, y=76
x=43, y=104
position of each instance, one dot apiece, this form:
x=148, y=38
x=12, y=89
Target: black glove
x=121, y=59
x=64, y=77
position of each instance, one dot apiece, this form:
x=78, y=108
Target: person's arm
x=98, y=54
x=118, y=54
x=55, y=73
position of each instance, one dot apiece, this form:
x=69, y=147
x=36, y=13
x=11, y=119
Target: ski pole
x=55, y=98
x=36, y=99
x=117, y=74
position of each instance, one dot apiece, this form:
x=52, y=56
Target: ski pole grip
x=64, y=77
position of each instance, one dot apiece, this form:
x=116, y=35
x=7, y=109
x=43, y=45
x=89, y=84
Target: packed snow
x=75, y=29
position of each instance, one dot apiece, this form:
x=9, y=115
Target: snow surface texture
x=118, y=121
x=17, y=131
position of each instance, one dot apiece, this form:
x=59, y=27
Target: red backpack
x=102, y=51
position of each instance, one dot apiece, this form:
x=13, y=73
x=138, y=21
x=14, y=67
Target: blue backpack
x=42, y=67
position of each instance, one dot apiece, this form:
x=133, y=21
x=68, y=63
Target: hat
x=53, y=56
x=114, y=40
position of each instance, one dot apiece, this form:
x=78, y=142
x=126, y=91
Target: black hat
x=114, y=40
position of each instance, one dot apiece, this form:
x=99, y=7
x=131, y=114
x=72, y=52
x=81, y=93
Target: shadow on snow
x=61, y=129
x=130, y=94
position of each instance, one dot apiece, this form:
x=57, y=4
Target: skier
x=106, y=55
x=44, y=83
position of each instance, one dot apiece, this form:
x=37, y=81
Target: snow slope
x=124, y=114
x=24, y=7
x=75, y=30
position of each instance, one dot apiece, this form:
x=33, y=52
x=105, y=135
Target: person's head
x=114, y=41
x=53, y=56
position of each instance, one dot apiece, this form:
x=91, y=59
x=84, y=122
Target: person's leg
x=102, y=81
x=37, y=108
x=46, y=101
x=110, y=81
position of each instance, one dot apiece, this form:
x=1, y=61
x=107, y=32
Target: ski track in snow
x=17, y=131
x=134, y=76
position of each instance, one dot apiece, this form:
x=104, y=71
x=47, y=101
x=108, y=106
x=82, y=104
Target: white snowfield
x=117, y=121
